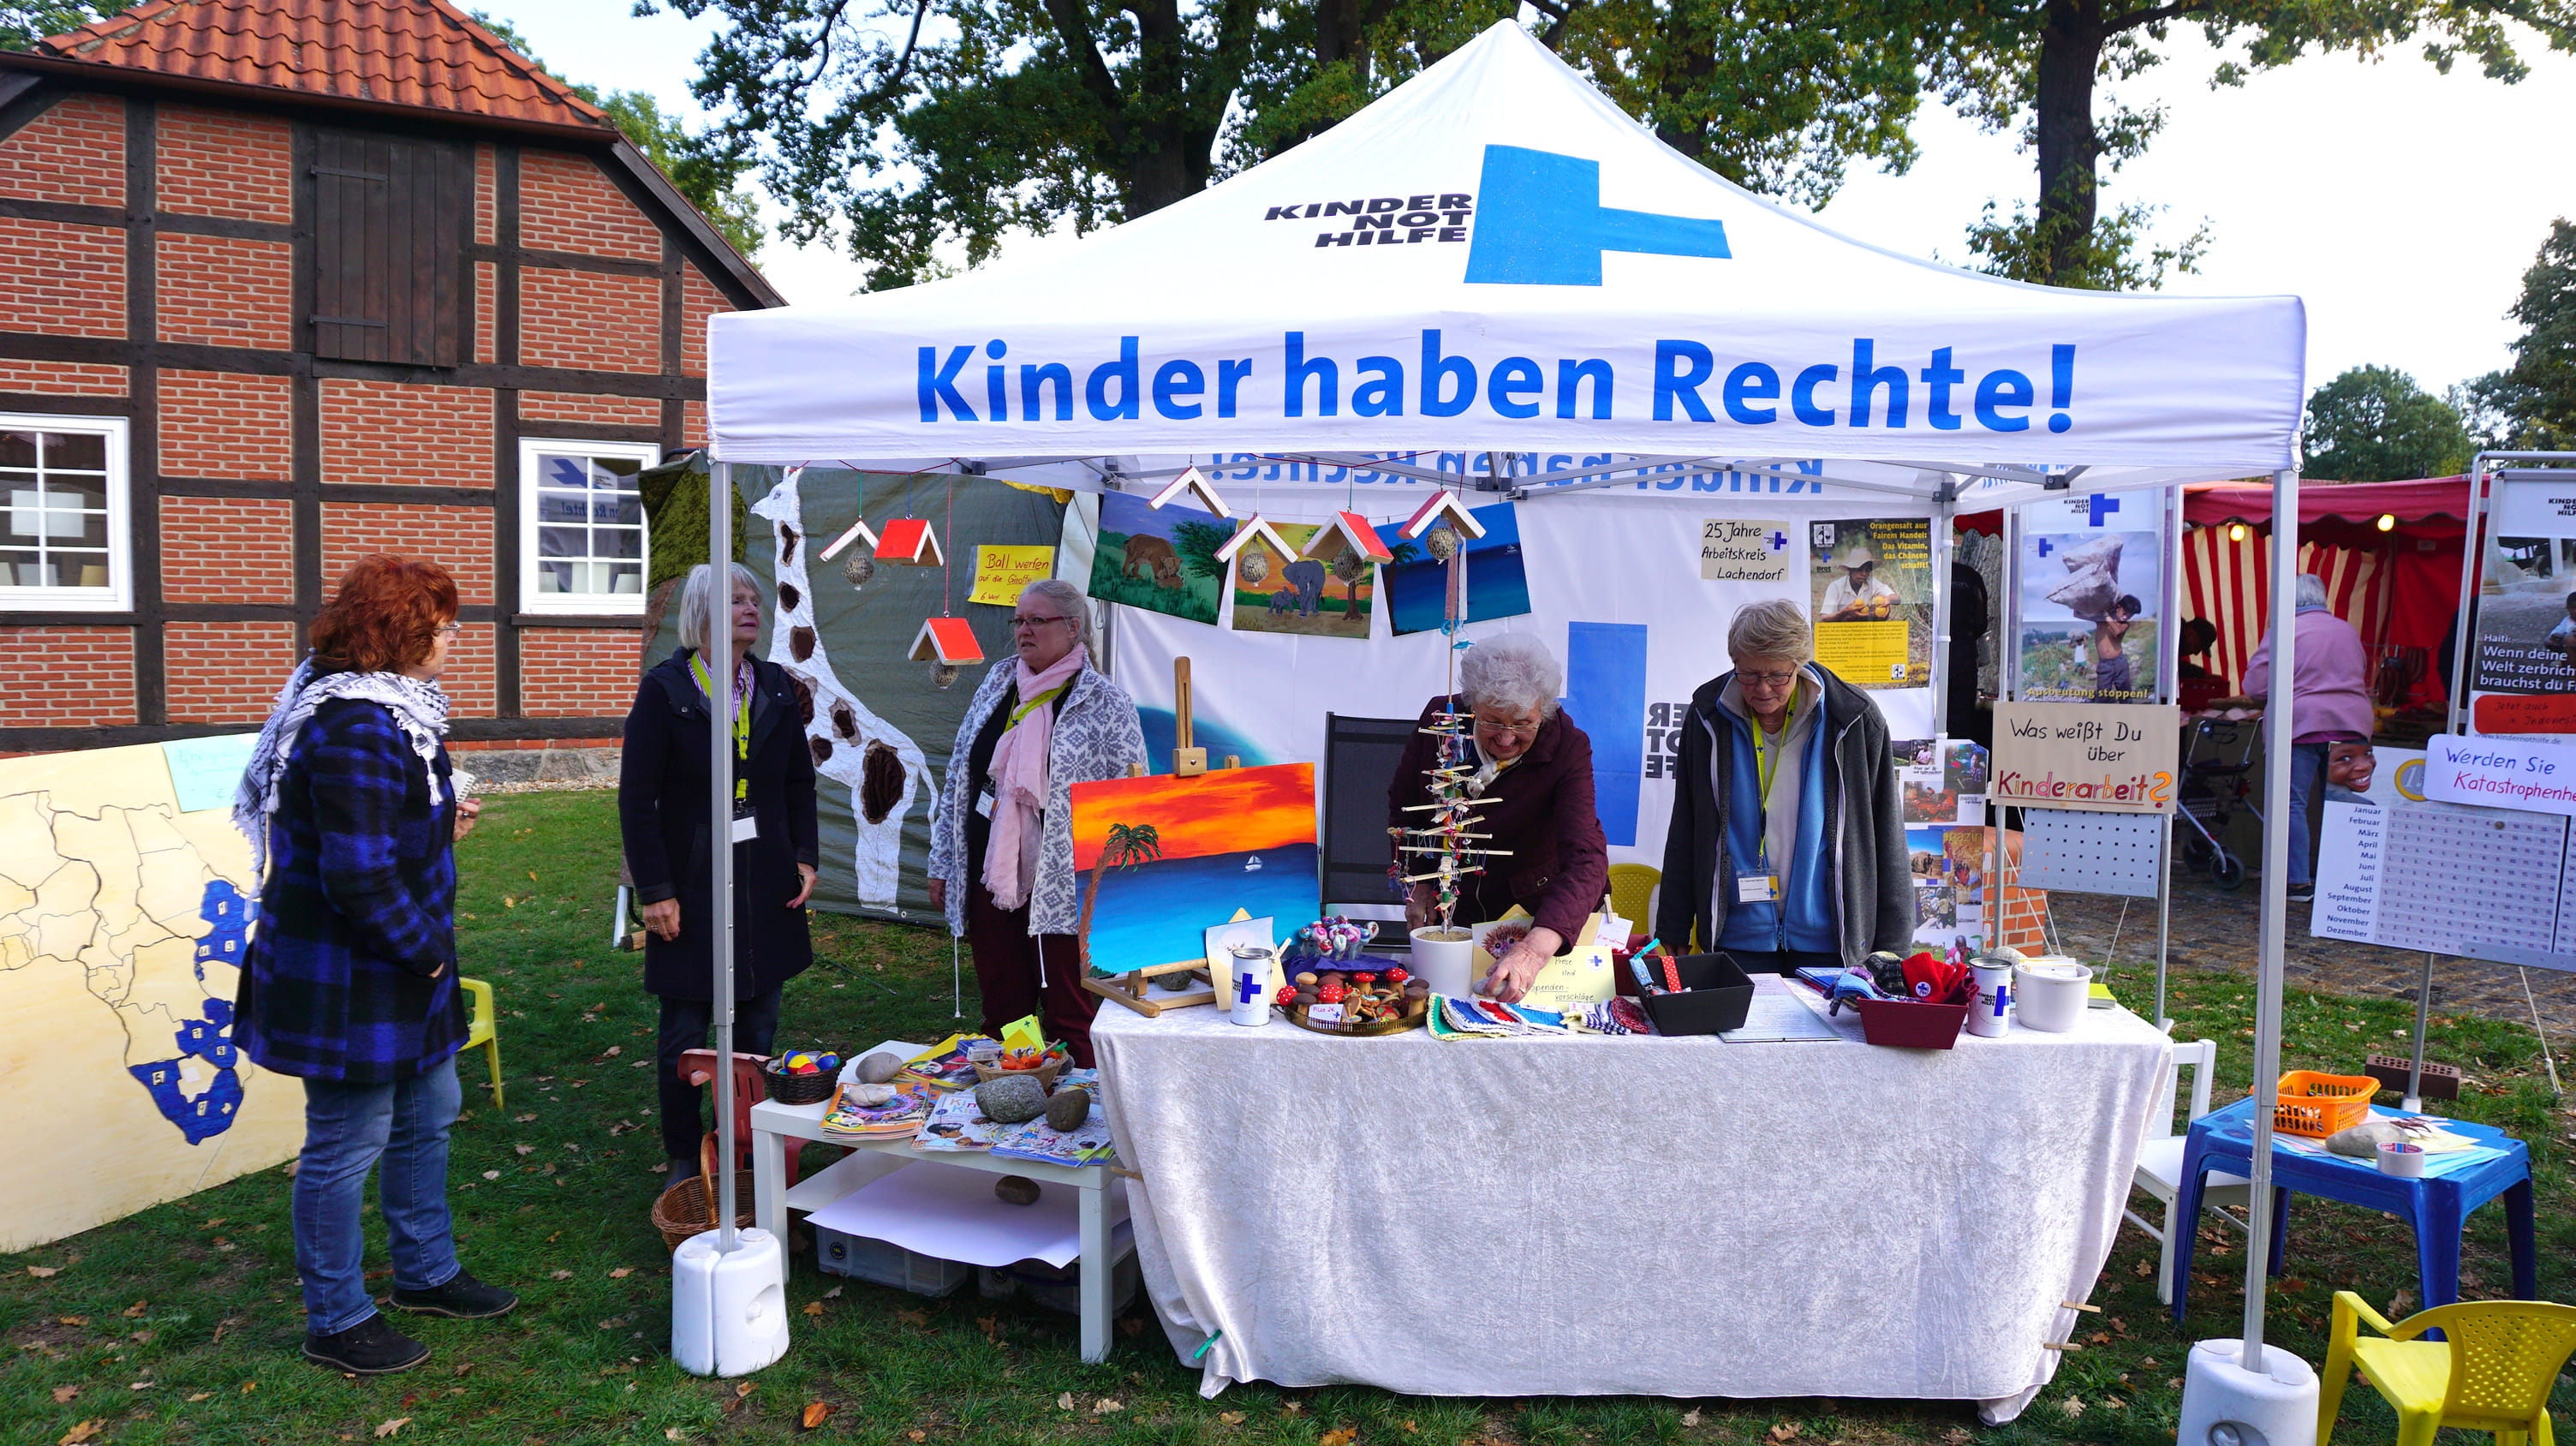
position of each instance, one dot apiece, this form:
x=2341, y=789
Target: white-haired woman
x=1533, y=788
x=662, y=813
x=1787, y=845
x=1001, y=835
x=2329, y=704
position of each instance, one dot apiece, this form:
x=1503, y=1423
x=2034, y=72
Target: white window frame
x=118, y=595
x=584, y=604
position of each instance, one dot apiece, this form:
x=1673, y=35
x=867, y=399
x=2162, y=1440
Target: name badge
x=746, y=827
x=1756, y=888
x=983, y=805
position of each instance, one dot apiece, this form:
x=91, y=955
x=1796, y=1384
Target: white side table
x=774, y=1124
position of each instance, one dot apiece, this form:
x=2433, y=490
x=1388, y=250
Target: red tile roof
x=376, y=53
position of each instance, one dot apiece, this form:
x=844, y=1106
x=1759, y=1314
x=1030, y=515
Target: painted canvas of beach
x=1160, y=860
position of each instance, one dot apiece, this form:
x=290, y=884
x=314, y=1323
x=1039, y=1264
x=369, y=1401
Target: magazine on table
x=901, y=1115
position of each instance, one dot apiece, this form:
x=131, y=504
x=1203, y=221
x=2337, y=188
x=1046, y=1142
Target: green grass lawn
x=181, y=1323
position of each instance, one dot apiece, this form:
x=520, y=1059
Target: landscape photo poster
x=1162, y=561
x=2088, y=610
x=1497, y=585
x=1872, y=593
x=1160, y=860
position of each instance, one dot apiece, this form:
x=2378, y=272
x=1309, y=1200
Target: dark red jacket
x=1540, y=809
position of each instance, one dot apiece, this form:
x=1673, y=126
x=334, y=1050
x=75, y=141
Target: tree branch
x=2114, y=25
x=1073, y=27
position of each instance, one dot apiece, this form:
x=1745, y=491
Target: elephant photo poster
x=1162, y=561
x=1160, y=860
x=1274, y=594
x=1872, y=582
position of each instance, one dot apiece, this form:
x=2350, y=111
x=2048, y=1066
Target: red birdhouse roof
x=909, y=540
x=1443, y=503
x=946, y=640
x=1347, y=529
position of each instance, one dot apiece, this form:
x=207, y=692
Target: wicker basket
x=689, y=1208
x=1045, y=1074
x=798, y=1089
x=2317, y=1105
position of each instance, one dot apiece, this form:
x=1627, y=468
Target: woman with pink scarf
x=1001, y=835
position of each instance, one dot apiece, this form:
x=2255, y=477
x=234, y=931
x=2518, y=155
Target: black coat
x=662, y=814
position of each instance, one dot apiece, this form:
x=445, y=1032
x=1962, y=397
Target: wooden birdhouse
x=1258, y=527
x=859, y=532
x=1347, y=529
x=1192, y=482
x=910, y=541
x=946, y=640
x=1443, y=506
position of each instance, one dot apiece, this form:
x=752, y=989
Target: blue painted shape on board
x=1605, y=694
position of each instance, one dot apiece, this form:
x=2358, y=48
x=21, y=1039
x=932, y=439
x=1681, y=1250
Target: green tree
x=2373, y=424
x=1126, y=846
x=24, y=22
x=931, y=129
x=1197, y=542
x=704, y=166
x=2531, y=405
x=2035, y=65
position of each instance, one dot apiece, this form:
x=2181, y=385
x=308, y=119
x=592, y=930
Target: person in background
x=2199, y=635
x=350, y=978
x=1966, y=714
x=2329, y=703
x=1787, y=843
x=2112, y=682
x=1001, y=833
x=1533, y=791
x=662, y=816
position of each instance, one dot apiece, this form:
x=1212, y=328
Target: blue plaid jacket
x=351, y=975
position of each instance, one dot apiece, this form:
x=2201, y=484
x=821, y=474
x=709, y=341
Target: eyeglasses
x=1506, y=727
x=449, y=629
x=1023, y=621
x=1765, y=680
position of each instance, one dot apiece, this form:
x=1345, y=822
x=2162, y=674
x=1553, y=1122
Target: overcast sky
x=2403, y=204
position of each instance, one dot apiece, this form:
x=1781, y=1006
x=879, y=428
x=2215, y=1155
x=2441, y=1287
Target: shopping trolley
x=2217, y=754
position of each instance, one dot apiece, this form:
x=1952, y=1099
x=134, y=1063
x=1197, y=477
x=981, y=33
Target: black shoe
x=2303, y=893
x=372, y=1347
x=463, y=1297
x=681, y=1173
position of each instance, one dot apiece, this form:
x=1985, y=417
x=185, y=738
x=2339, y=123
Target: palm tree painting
x=1126, y=846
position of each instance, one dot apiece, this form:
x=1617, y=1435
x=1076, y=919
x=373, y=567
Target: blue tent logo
x=1540, y=222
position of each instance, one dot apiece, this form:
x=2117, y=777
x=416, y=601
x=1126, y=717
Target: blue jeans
x=347, y=1128
x=2307, y=775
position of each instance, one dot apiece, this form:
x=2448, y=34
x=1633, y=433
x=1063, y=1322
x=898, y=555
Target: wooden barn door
x=389, y=229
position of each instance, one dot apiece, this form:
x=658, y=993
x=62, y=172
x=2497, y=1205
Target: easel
x=1128, y=988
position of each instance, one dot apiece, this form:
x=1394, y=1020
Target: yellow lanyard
x=1763, y=765
x=741, y=728
x=1040, y=701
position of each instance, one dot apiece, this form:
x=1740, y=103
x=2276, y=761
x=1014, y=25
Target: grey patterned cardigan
x=1096, y=737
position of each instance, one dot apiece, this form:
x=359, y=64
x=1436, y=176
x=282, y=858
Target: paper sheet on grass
x=950, y=1213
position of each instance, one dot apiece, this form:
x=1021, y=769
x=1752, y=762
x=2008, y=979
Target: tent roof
x=2425, y=498
x=1548, y=276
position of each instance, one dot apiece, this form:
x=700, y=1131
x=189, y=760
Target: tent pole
x=2169, y=646
x=720, y=822
x=2276, y=903
x=1942, y=651
x=2536, y=1032
x=2413, y=1104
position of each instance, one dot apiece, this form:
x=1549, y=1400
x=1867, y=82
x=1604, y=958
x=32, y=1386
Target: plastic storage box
x=868, y=1259
x=1715, y=996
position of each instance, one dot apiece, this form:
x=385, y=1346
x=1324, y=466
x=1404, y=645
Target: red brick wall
x=227, y=550
x=68, y=677
x=486, y=306
x=74, y=379
x=226, y=672
x=535, y=407
x=226, y=291
x=225, y=424
x=74, y=152
x=456, y=538
x=590, y=320
x=567, y=204
x=699, y=300
x=63, y=279
x=693, y=425
x=576, y=672
x=485, y=177
x=468, y=678
x=225, y=163
x=396, y=432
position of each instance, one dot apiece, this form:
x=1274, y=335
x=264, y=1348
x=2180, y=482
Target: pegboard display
x=2092, y=853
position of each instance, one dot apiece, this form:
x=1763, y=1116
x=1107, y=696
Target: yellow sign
x=1002, y=571
x=1865, y=655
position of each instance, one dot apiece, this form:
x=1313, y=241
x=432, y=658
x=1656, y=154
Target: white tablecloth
x=1675, y=1217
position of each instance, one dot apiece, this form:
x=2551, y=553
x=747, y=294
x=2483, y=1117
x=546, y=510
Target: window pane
x=562, y=542
x=21, y=567
x=79, y=569
x=89, y=529
x=74, y=490
x=85, y=450
x=628, y=509
x=554, y=471
x=627, y=578
x=623, y=469
x=617, y=541
x=17, y=449
x=25, y=518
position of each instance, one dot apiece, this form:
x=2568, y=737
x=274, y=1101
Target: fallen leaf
x=135, y=1310
x=815, y=1412
x=523, y=1119
x=2099, y=1338
x=2072, y=1405
x=1231, y=1418
x=388, y=1428
x=524, y=1149
x=201, y=1396
x=1064, y=1401
x=71, y=1320
x=1343, y=1436
x=462, y=1368
x=1785, y=1431
x=558, y=1275
x=1689, y=1417
x=742, y=1388
x=82, y=1432
x=1293, y=1407
x=613, y=1051
x=833, y=1294
x=1105, y=1405
x=621, y=1272
x=63, y=1394
x=1131, y=1326
x=813, y=1307
x=673, y=1433
x=44, y=1272
x=249, y=1386
x=138, y=1385
x=919, y=1435
x=491, y=1174
x=912, y=1317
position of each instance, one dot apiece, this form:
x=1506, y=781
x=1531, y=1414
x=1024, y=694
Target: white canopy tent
x=1565, y=284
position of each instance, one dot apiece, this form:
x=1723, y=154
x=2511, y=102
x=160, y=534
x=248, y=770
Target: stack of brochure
x=894, y=1119
x=955, y=1125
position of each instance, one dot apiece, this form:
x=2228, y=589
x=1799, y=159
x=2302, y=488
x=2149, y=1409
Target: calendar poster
x=2477, y=883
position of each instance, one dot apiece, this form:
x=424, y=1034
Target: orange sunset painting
x=1161, y=859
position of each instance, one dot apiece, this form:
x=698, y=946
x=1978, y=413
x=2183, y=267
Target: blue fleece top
x=1802, y=918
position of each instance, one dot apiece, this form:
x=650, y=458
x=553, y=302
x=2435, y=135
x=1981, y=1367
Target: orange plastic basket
x=2317, y=1105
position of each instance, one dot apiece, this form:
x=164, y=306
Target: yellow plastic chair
x=1632, y=893
x=2493, y=1374
x=485, y=1031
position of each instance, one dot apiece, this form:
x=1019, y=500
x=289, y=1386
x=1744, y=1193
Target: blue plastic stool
x=2437, y=1206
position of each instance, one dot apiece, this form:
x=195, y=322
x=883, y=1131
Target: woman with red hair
x=350, y=978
